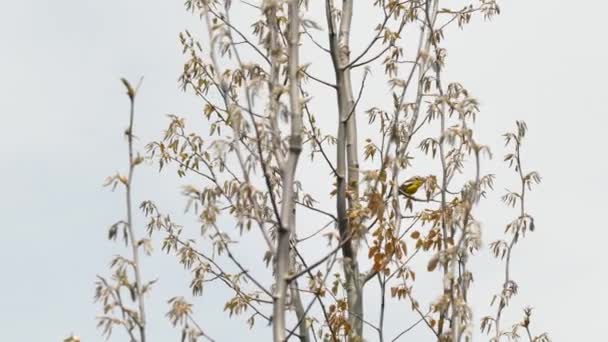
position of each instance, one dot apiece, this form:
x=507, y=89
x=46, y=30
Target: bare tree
x=127, y=271
x=503, y=249
x=264, y=108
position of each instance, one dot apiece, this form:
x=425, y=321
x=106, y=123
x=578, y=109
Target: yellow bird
x=410, y=186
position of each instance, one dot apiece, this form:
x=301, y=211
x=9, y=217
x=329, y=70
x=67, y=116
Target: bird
x=410, y=186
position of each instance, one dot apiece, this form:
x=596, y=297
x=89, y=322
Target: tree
x=264, y=108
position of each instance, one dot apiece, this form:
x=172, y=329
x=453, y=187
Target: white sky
x=63, y=112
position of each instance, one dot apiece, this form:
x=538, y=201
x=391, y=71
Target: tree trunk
x=287, y=224
x=347, y=155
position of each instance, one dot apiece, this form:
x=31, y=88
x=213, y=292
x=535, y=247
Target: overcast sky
x=64, y=111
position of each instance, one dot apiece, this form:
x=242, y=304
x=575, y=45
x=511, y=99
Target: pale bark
x=294, y=291
x=287, y=224
x=141, y=319
x=347, y=156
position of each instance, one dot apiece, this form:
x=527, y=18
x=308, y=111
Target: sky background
x=64, y=111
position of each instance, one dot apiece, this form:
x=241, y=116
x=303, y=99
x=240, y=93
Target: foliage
x=264, y=108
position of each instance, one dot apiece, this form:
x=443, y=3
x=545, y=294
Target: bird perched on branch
x=410, y=186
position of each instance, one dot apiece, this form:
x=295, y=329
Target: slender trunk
x=347, y=156
x=134, y=243
x=287, y=225
x=295, y=295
